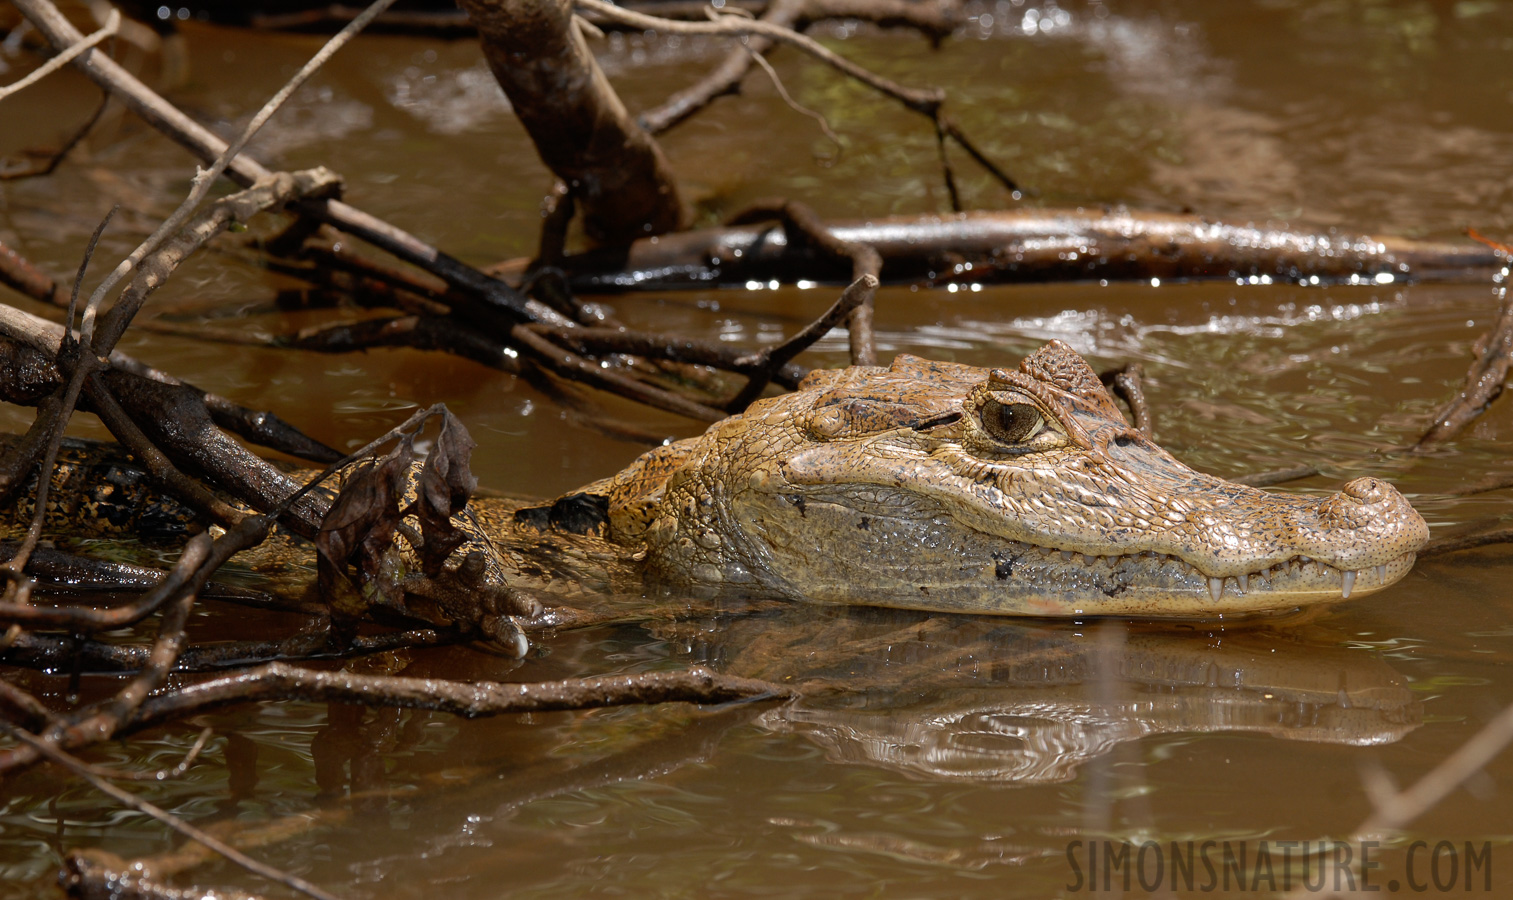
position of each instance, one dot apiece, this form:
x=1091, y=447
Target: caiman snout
x=1367, y=502
x=1369, y=526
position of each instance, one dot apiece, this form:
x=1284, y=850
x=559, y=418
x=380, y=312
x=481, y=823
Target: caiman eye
x=1012, y=423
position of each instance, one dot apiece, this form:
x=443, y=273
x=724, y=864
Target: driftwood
x=1022, y=246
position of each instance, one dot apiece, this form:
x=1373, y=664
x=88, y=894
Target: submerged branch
x=1484, y=382
x=130, y=800
x=277, y=681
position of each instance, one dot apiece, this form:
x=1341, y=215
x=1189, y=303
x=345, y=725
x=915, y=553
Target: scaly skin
x=924, y=485
x=902, y=487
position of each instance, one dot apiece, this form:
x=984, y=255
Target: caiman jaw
x=1296, y=580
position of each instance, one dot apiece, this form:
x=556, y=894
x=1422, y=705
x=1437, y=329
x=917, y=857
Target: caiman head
x=932, y=485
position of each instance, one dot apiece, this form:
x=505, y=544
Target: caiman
x=932, y=486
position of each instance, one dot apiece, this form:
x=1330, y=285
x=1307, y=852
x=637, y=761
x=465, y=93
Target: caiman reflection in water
x=977, y=699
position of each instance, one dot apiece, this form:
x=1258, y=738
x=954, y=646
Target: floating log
x=1032, y=245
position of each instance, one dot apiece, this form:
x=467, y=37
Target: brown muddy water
x=937, y=756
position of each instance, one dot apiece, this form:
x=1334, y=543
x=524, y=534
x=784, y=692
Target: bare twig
x=1393, y=810
x=112, y=24
x=56, y=158
x=925, y=101
x=468, y=699
x=1484, y=381
x=570, y=365
x=1457, y=542
x=491, y=298
x=777, y=83
x=803, y=227
x=128, y=799
x=1127, y=383
x=203, y=181
x=726, y=77
x=922, y=100
x=945, y=168
x=770, y=360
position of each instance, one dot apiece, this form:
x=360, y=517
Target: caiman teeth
x=1166, y=565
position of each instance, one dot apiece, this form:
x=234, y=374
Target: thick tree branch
x=618, y=177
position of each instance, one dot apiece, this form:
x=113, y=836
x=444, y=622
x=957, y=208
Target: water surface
x=935, y=756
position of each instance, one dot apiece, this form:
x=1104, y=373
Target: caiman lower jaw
x=1181, y=587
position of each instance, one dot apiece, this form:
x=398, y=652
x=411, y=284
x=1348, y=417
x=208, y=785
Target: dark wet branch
x=1023, y=246
x=49, y=165
x=126, y=798
x=654, y=346
x=1484, y=382
x=765, y=363
x=277, y=681
x=335, y=265
x=805, y=230
x=1458, y=542
x=726, y=77
x=104, y=405
x=54, y=653
x=418, y=332
x=557, y=211
x=566, y=364
x=928, y=102
x=1127, y=383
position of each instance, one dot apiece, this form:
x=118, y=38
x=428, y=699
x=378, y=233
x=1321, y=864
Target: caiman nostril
x=1368, y=490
